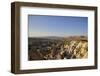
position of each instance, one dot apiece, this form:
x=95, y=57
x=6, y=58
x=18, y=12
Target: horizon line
x=62, y=36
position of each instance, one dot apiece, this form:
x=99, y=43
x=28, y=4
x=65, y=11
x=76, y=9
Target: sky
x=62, y=26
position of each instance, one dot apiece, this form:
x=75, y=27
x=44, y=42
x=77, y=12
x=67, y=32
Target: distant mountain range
x=69, y=37
x=77, y=38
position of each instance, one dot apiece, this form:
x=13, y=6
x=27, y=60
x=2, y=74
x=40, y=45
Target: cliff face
x=79, y=49
x=58, y=49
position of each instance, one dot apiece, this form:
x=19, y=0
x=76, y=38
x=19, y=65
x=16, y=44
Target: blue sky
x=39, y=26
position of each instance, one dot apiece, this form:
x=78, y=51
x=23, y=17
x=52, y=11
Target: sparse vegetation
x=57, y=48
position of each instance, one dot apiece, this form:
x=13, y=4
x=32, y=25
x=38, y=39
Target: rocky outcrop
x=59, y=49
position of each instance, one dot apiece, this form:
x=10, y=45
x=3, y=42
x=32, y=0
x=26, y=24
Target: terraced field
x=57, y=48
